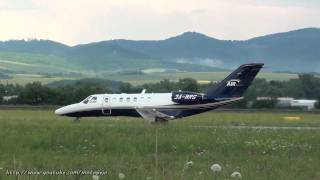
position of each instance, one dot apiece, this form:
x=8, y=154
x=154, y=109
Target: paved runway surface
x=260, y=127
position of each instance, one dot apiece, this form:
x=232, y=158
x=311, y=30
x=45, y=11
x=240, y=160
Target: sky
x=83, y=21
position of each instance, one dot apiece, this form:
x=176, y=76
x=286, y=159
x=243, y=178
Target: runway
x=245, y=127
x=260, y=127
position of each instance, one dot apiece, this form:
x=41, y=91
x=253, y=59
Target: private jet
x=162, y=107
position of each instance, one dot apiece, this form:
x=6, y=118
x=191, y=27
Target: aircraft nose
x=60, y=111
x=66, y=110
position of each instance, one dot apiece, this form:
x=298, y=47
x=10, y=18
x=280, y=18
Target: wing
x=175, y=111
x=152, y=114
x=202, y=106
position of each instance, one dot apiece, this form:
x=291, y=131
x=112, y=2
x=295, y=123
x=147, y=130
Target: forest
x=306, y=86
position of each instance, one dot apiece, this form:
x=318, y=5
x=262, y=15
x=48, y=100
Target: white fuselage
x=118, y=101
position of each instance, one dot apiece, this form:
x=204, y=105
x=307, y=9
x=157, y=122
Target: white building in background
x=287, y=102
x=290, y=102
x=284, y=101
x=8, y=98
x=309, y=104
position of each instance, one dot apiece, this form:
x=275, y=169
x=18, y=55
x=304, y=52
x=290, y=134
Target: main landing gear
x=76, y=120
x=159, y=120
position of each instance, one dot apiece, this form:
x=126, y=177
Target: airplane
x=162, y=107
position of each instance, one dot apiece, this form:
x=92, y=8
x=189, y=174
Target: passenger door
x=106, y=105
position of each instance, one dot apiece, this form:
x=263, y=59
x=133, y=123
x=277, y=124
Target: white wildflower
x=174, y=148
x=216, y=168
x=149, y=178
x=236, y=174
x=188, y=164
x=95, y=177
x=121, y=176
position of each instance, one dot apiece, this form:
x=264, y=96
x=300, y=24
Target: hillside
x=295, y=51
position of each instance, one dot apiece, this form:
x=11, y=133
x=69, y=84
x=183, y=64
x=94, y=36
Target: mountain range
x=293, y=51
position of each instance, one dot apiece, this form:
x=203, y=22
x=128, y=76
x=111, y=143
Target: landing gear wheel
x=160, y=120
x=76, y=120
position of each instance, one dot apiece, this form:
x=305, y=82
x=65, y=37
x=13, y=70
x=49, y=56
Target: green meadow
x=25, y=79
x=36, y=140
x=139, y=79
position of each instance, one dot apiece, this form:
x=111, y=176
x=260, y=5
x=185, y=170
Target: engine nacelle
x=185, y=97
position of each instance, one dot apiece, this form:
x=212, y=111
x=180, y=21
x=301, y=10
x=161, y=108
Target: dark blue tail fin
x=236, y=83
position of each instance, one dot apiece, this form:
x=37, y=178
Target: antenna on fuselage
x=143, y=91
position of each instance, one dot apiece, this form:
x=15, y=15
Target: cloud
x=15, y=5
x=3, y=4
x=82, y=21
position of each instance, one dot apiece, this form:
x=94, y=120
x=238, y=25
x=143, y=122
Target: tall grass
x=39, y=140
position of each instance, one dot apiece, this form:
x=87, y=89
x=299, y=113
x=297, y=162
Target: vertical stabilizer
x=236, y=83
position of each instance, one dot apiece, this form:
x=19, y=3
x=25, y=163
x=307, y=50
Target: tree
x=188, y=84
x=264, y=104
x=35, y=94
x=317, y=105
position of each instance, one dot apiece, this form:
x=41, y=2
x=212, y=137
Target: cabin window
x=114, y=99
x=106, y=100
x=128, y=99
x=121, y=99
x=149, y=98
x=93, y=99
x=135, y=99
x=141, y=99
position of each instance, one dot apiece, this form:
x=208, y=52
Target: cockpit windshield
x=86, y=100
x=90, y=99
x=93, y=99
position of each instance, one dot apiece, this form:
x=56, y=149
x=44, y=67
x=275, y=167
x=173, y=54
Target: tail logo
x=233, y=82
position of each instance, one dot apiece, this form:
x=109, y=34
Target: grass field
x=23, y=79
x=32, y=63
x=38, y=141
